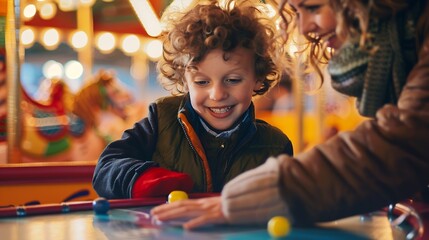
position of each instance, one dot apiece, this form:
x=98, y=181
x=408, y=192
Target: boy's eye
x=201, y=82
x=233, y=80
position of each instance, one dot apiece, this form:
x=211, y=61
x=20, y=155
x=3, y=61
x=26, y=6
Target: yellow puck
x=177, y=196
x=278, y=227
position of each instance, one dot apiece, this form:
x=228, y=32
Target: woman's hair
x=353, y=15
x=352, y=22
x=191, y=35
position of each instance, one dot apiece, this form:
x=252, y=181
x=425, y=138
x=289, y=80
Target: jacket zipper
x=228, y=161
x=195, y=151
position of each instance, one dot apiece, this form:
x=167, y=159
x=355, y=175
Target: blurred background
x=72, y=42
x=73, y=39
x=102, y=55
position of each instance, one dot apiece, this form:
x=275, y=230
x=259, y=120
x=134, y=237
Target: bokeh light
x=105, y=42
x=50, y=38
x=79, y=39
x=130, y=44
x=153, y=49
x=47, y=10
x=53, y=69
x=27, y=37
x=29, y=11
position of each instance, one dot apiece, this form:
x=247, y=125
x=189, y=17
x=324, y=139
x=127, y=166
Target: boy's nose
x=218, y=93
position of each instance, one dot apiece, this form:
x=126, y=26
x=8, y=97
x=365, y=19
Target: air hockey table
x=130, y=219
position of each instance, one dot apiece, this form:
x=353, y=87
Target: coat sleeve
x=383, y=161
x=122, y=161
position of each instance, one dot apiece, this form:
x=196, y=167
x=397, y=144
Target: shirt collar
x=227, y=133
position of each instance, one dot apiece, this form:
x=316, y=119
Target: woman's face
x=316, y=17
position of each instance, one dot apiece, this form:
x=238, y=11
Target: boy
x=215, y=60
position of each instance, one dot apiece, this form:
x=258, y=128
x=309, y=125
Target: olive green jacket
x=253, y=145
x=170, y=137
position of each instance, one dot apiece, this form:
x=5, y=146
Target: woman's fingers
x=201, y=212
x=213, y=217
x=179, y=209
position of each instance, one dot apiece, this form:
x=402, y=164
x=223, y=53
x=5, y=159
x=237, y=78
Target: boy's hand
x=157, y=181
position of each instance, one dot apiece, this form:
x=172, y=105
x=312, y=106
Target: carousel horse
x=69, y=127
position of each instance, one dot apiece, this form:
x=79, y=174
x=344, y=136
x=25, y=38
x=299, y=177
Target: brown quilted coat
x=383, y=161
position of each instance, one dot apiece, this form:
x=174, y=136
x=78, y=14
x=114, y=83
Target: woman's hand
x=202, y=211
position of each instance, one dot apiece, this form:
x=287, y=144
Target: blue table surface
x=136, y=223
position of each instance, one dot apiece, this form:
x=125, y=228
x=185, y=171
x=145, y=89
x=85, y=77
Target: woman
x=381, y=56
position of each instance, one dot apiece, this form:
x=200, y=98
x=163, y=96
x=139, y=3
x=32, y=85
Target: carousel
x=71, y=74
x=74, y=74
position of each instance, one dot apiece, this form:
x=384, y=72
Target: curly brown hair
x=191, y=35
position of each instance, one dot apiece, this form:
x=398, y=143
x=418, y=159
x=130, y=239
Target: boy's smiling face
x=221, y=90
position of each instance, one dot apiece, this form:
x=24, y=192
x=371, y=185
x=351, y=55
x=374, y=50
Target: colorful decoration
x=64, y=127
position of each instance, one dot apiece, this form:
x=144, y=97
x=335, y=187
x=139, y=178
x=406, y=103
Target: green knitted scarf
x=377, y=78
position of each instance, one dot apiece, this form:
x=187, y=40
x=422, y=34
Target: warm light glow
x=48, y=10
x=73, y=69
x=29, y=11
x=67, y=5
x=139, y=70
x=269, y=10
x=88, y=3
x=105, y=42
x=180, y=4
x=79, y=39
x=224, y=2
x=147, y=16
x=53, y=69
x=50, y=38
x=27, y=37
x=175, y=6
x=153, y=49
x=130, y=44
x=292, y=49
